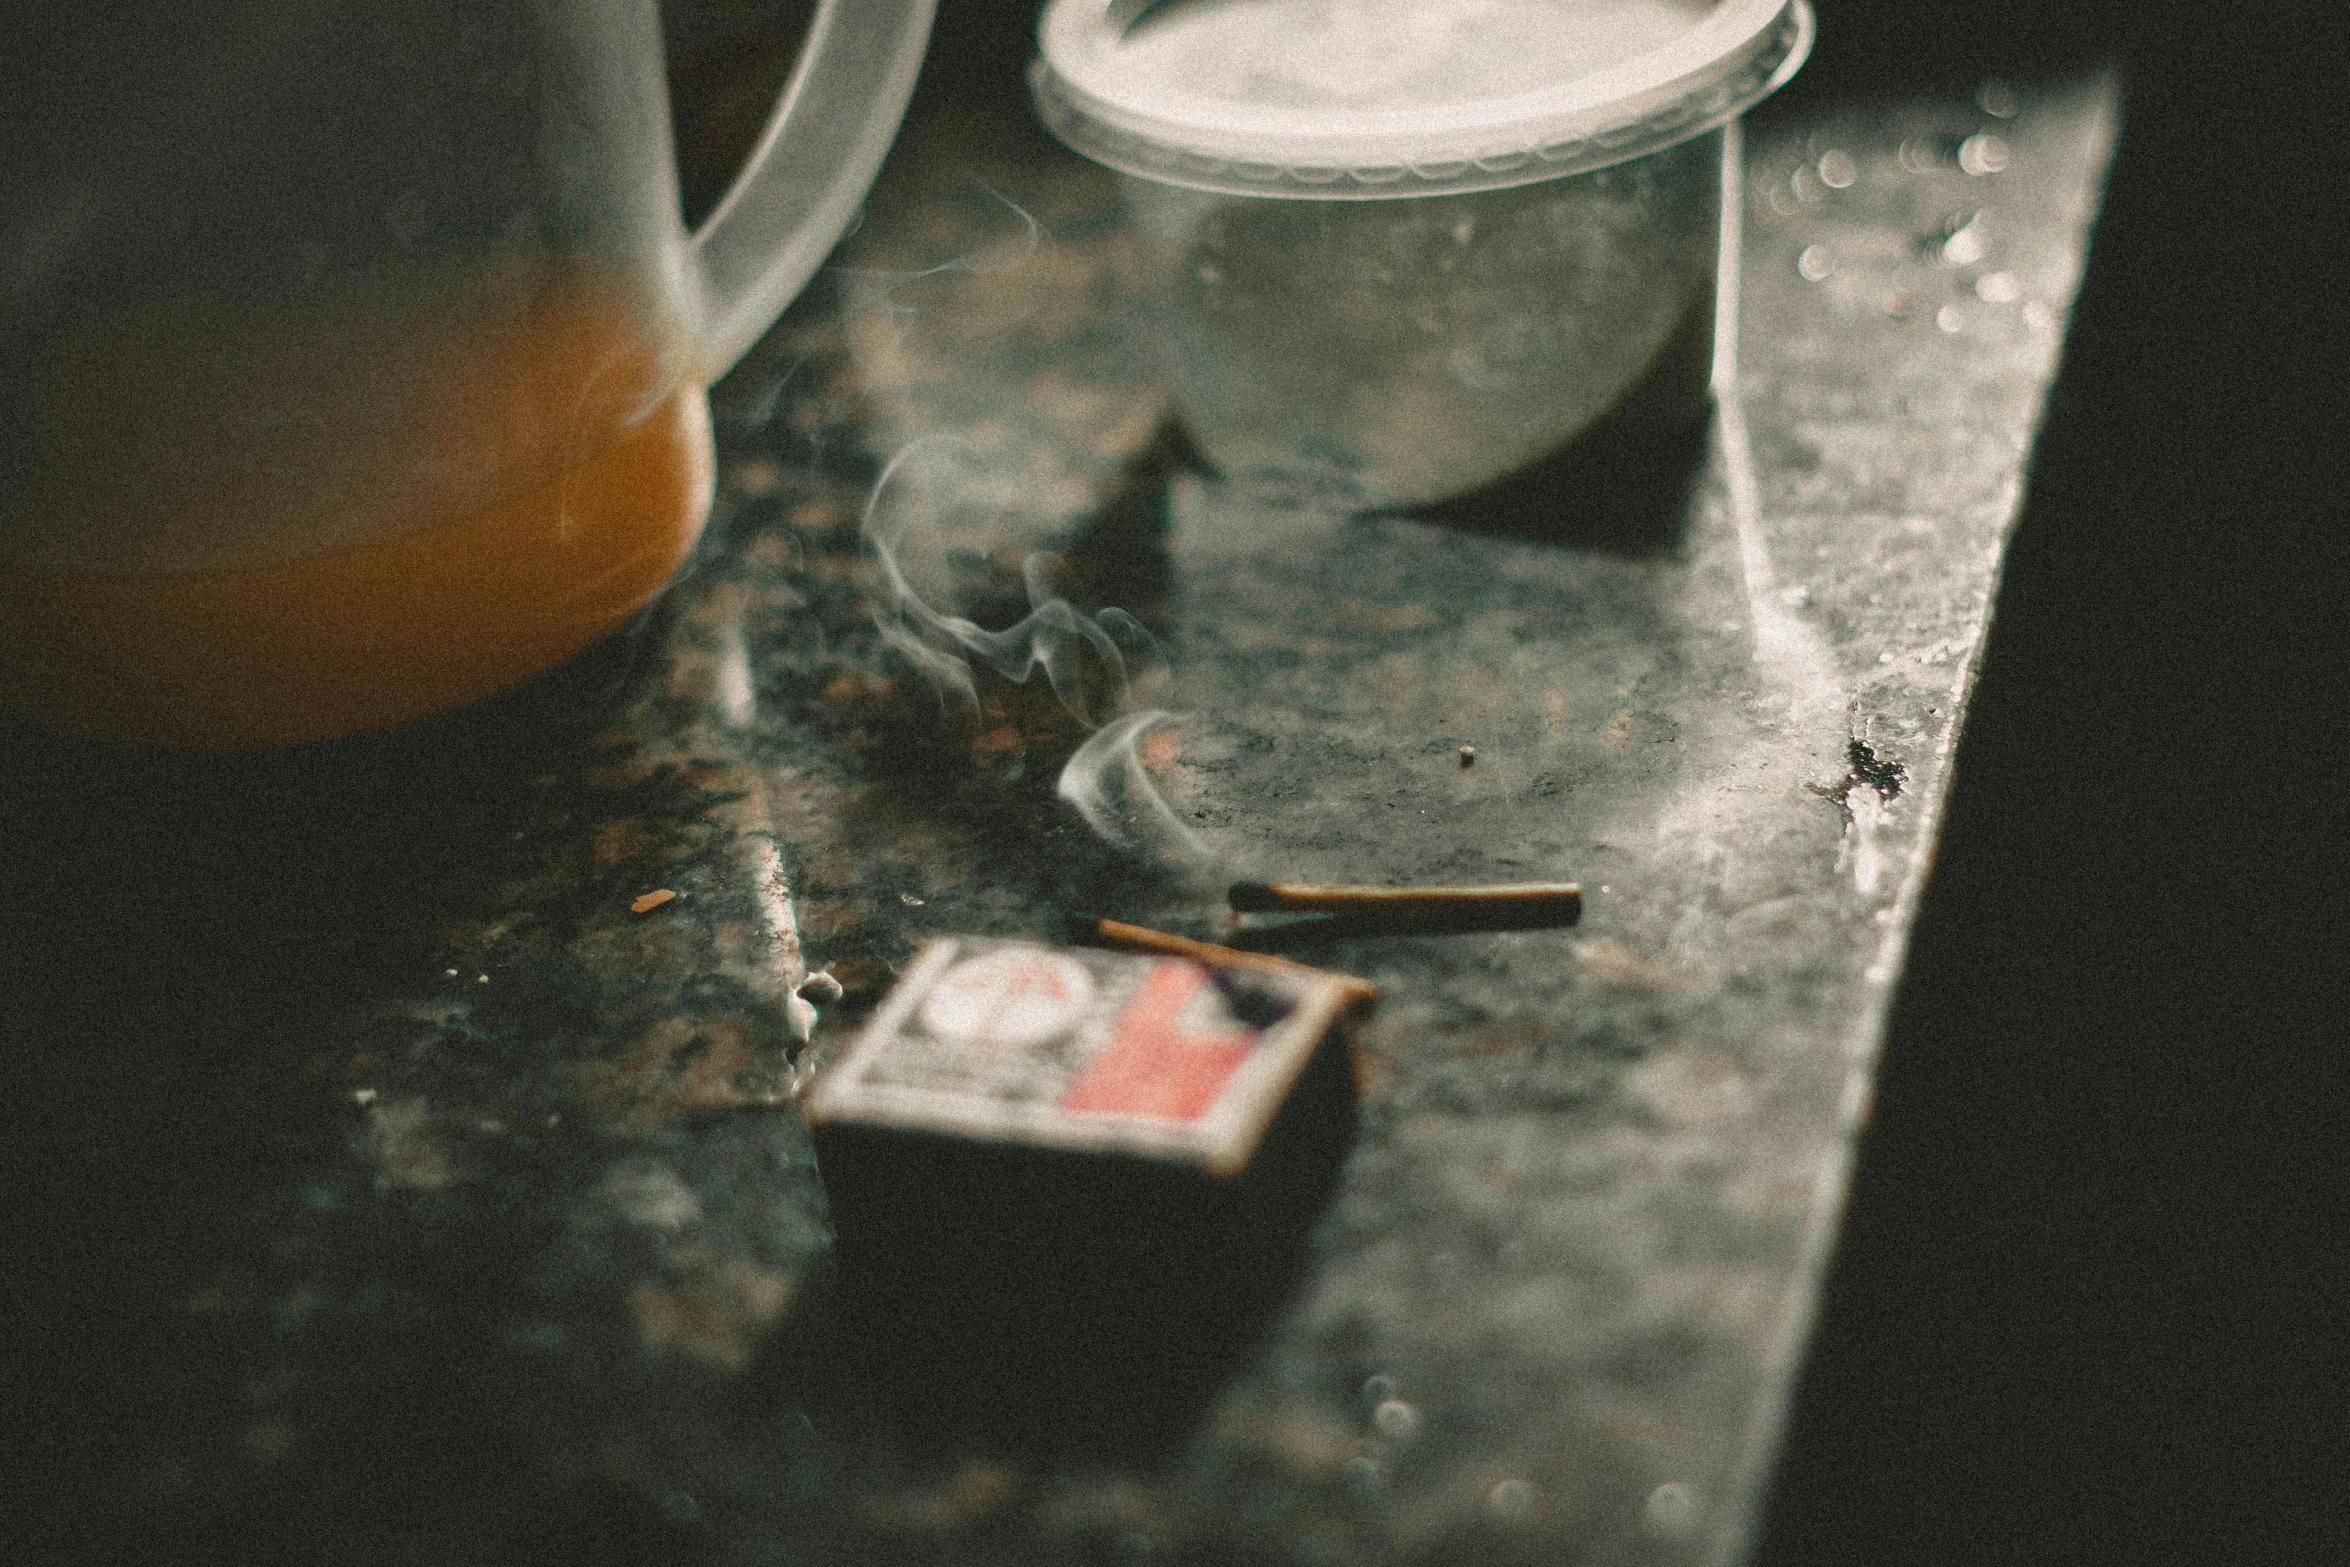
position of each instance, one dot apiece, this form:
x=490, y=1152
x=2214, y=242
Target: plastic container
x=1396, y=250
x=357, y=353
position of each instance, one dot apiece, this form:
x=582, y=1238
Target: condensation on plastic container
x=1394, y=353
x=1394, y=251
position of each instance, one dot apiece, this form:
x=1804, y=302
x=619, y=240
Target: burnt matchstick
x=1496, y=906
x=1142, y=938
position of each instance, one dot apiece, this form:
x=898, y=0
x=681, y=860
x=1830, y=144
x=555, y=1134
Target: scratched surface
x=442, y=1209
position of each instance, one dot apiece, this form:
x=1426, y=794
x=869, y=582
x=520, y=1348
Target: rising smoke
x=1095, y=663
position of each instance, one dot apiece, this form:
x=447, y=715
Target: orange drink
x=353, y=359
x=544, y=393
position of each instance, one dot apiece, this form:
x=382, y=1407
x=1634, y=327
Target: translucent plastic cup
x=1394, y=353
x=357, y=353
x=1399, y=250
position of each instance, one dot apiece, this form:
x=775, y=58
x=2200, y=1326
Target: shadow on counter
x=1052, y=1308
x=179, y=932
x=1623, y=485
x=2079, y=1309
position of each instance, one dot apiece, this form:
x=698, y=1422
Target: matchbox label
x=1016, y=1041
x=1171, y=1052
x=1011, y=997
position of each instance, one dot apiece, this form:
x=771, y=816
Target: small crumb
x=452, y=973
x=822, y=986
x=1468, y=756
x=909, y=900
x=652, y=900
x=481, y=979
x=363, y=1096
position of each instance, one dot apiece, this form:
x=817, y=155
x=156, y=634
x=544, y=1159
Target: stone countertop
x=400, y=1194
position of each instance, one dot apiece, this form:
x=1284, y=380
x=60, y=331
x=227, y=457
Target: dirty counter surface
x=392, y=1192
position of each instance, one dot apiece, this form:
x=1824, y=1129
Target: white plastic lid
x=1365, y=99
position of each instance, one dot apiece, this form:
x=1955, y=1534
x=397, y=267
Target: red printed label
x=1169, y=1056
x=1069, y=1047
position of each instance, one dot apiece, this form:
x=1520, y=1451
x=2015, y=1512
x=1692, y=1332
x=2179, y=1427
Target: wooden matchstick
x=1141, y=937
x=1530, y=898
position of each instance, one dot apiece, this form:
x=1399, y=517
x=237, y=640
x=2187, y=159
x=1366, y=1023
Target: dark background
x=2081, y=1310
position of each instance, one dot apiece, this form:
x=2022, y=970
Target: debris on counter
x=1468, y=756
x=821, y=985
x=799, y=1017
x=652, y=900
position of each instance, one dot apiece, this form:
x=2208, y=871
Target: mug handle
x=809, y=174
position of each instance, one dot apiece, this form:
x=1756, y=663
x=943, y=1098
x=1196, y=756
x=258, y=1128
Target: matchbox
x=1068, y=1188
x=1068, y=1048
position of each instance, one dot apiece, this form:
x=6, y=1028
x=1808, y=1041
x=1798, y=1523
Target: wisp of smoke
x=879, y=290
x=1104, y=780
x=1049, y=637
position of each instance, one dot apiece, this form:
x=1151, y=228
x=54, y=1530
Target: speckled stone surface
x=527, y=1256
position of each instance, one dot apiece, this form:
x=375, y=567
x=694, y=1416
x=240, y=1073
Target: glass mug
x=353, y=353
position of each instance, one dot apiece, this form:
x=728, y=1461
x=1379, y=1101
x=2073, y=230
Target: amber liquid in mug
x=411, y=620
